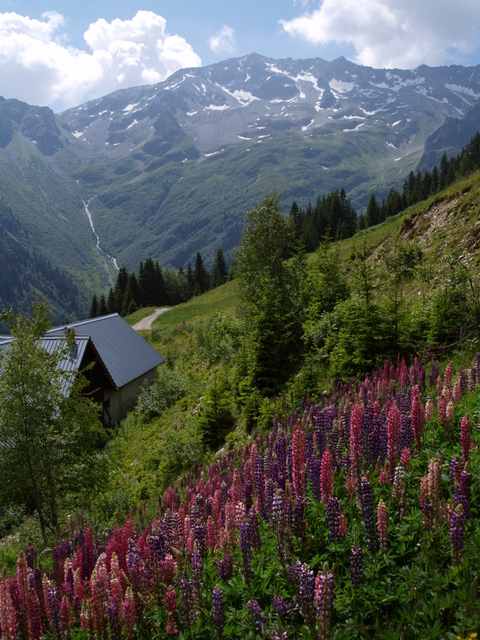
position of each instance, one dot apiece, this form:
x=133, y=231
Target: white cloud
x=393, y=33
x=36, y=65
x=223, y=41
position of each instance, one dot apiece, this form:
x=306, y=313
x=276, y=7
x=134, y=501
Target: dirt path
x=146, y=323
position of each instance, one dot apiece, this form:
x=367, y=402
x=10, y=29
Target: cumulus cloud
x=223, y=41
x=36, y=65
x=393, y=33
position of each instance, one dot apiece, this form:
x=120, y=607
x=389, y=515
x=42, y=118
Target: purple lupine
x=306, y=591
x=257, y=615
x=356, y=566
x=314, y=468
x=187, y=601
x=246, y=547
x=218, y=612
x=457, y=533
x=281, y=607
x=333, y=512
x=115, y=622
x=368, y=517
x=197, y=573
x=463, y=491
x=324, y=594
x=254, y=530
x=54, y=606
x=224, y=567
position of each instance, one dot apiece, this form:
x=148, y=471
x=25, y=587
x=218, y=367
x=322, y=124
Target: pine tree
x=372, y=215
x=93, y=313
x=201, y=277
x=219, y=269
x=103, y=311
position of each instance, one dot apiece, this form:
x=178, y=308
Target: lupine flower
x=429, y=409
x=442, y=410
x=218, y=610
x=463, y=491
x=299, y=458
x=356, y=449
x=171, y=597
x=246, y=547
x=324, y=594
x=187, y=601
x=257, y=614
x=418, y=416
x=405, y=459
x=326, y=476
x=457, y=533
x=306, y=588
x=281, y=607
x=450, y=415
x=465, y=437
x=393, y=433
x=368, y=518
x=356, y=566
x=382, y=525
x=225, y=567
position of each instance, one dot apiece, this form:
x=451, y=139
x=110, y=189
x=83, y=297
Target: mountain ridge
x=170, y=169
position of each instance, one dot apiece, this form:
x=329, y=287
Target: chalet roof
x=50, y=344
x=125, y=355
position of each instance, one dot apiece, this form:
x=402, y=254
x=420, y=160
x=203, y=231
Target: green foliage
x=271, y=294
x=170, y=386
x=47, y=429
x=216, y=418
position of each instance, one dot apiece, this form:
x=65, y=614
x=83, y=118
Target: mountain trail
x=146, y=323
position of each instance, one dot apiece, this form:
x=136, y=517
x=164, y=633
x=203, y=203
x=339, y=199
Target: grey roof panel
x=125, y=355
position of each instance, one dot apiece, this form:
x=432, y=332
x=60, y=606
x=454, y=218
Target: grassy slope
x=439, y=224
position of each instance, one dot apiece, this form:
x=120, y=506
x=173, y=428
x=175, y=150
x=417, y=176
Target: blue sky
x=63, y=53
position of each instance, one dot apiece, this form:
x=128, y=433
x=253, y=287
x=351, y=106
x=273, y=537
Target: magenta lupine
x=418, y=416
x=326, y=476
x=450, y=416
x=457, y=533
x=465, y=437
x=382, y=525
x=324, y=595
x=356, y=448
x=393, y=433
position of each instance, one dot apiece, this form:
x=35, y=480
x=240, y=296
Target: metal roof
x=50, y=344
x=125, y=355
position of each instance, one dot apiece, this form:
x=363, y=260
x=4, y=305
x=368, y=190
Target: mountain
x=450, y=138
x=169, y=169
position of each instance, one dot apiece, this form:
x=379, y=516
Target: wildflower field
x=356, y=516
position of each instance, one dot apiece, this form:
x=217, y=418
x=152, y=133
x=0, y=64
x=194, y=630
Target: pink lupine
x=66, y=615
x=36, y=627
x=442, y=410
x=405, y=459
x=384, y=477
x=129, y=614
x=7, y=610
x=418, y=416
x=172, y=611
x=382, y=525
x=457, y=392
x=299, y=459
x=169, y=569
x=447, y=381
x=99, y=587
x=429, y=409
x=326, y=476
x=356, y=449
x=450, y=416
x=393, y=433
x=465, y=437
x=439, y=385
x=212, y=540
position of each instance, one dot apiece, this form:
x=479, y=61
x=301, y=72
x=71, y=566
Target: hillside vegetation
x=306, y=464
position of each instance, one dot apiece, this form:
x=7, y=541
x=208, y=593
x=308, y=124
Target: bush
x=170, y=386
